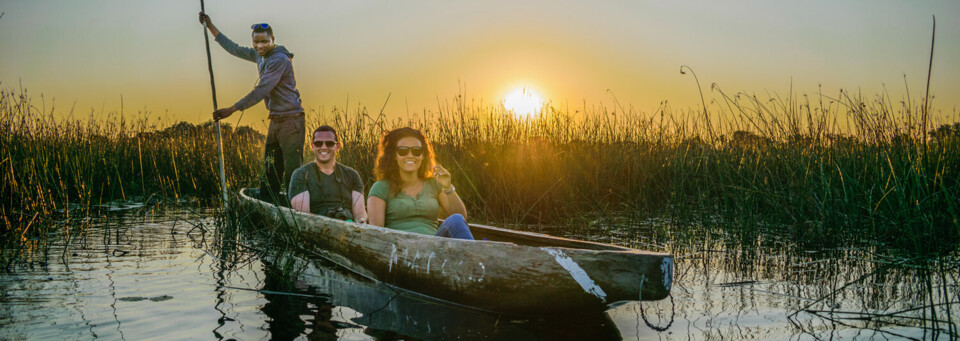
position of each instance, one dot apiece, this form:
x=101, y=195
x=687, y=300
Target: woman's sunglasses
x=261, y=26
x=403, y=151
x=327, y=143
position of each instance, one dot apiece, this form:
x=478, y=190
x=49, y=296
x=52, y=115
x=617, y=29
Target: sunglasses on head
x=403, y=151
x=261, y=26
x=327, y=143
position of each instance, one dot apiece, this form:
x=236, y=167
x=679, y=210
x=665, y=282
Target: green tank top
x=412, y=214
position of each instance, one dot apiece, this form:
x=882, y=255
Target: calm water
x=176, y=275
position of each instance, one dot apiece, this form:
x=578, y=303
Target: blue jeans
x=455, y=226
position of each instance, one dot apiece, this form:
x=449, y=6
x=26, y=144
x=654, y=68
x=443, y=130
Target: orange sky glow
x=87, y=54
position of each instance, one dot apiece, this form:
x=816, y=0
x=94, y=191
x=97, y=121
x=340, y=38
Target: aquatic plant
x=827, y=170
x=61, y=170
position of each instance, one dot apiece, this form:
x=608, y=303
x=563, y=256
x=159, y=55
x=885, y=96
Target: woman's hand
x=443, y=176
x=449, y=201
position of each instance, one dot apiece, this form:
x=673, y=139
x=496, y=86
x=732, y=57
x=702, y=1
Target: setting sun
x=522, y=102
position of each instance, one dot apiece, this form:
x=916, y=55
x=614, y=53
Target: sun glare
x=522, y=102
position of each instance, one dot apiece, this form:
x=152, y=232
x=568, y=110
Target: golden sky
x=86, y=54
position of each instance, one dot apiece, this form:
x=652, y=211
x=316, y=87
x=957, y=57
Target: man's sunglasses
x=261, y=26
x=403, y=151
x=327, y=143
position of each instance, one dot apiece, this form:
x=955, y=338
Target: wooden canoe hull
x=412, y=315
x=513, y=273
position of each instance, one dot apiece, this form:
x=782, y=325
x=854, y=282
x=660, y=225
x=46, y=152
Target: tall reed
x=823, y=169
x=59, y=170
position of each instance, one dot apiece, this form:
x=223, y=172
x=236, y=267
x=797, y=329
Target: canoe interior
x=497, y=234
x=535, y=239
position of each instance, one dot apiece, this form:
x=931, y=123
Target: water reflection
x=726, y=287
x=355, y=306
x=287, y=303
x=178, y=275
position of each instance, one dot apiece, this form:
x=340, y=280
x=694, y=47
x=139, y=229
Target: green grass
x=825, y=170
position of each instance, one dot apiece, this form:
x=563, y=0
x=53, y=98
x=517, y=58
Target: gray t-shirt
x=328, y=191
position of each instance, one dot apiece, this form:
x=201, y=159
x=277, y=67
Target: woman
x=412, y=192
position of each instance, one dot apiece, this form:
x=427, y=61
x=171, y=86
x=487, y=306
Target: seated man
x=326, y=186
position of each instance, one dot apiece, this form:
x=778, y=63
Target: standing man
x=326, y=186
x=278, y=88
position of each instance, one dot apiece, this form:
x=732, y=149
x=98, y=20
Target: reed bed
x=824, y=169
x=59, y=171
x=827, y=170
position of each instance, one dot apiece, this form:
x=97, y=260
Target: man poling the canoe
x=412, y=191
x=277, y=87
x=325, y=186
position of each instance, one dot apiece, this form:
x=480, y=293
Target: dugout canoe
x=384, y=310
x=511, y=272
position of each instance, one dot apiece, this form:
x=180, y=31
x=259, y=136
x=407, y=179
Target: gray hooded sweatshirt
x=277, y=85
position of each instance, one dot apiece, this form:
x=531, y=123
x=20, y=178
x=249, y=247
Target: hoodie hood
x=280, y=49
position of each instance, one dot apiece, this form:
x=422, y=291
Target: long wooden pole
x=216, y=123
